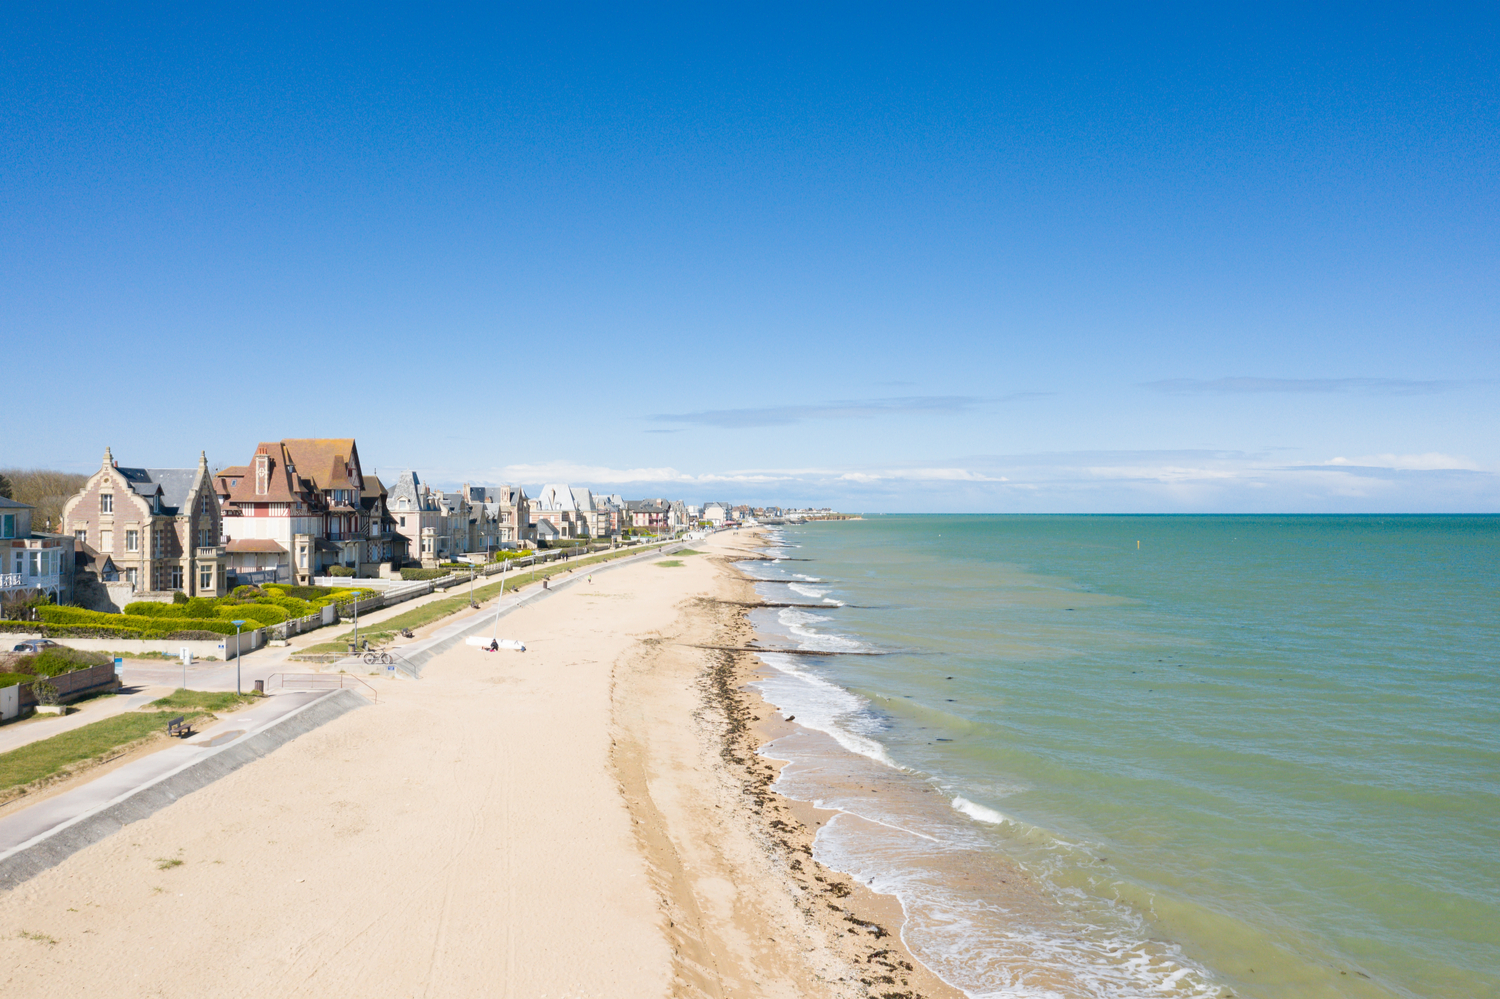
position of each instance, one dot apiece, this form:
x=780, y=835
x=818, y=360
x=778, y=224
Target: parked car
x=36, y=645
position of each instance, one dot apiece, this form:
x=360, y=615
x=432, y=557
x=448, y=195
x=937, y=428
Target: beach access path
x=39, y=727
x=463, y=837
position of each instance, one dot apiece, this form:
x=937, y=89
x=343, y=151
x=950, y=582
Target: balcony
x=217, y=551
x=22, y=581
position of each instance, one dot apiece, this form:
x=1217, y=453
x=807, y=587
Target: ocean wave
x=978, y=812
x=823, y=707
x=806, y=591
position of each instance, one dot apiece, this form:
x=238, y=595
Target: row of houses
x=300, y=508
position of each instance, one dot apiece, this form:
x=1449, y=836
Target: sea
x=1166, y=756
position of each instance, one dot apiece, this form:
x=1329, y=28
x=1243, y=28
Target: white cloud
x=1162, y=481
x=1431, y=461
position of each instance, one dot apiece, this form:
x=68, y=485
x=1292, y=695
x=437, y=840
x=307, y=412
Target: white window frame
x=107, y=503
x=132, y=541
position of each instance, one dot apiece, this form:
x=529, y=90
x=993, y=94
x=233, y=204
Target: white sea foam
x=822, y=706
x=806, y=591
x=978, y=812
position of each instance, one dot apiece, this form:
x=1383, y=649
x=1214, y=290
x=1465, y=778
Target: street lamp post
x=237, y=626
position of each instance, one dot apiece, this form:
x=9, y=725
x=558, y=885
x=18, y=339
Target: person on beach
x=591, y=579
x=494, y=646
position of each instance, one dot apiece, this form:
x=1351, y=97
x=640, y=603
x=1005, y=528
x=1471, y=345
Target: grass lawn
x=671, y=563
x=47, y=757
x=203, y=700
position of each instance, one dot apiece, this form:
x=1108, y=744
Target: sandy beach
x=586, y=818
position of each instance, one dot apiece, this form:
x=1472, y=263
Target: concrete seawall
x=48, y=832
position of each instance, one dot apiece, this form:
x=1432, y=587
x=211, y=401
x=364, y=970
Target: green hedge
x=150, y=608
x=340, y=570
x=159, y=630
x=77, y=616
x=11, y=679
x=257, y=615
x=419, y=574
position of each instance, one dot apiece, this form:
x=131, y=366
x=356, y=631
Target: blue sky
x=1112, y=258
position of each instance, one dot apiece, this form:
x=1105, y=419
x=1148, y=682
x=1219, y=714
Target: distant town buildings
x=301, y=509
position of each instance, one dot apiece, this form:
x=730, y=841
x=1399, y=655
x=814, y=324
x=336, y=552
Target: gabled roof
x=173, y=485
x=176, y=484
x=282, y=486
x=583, y=498
x=410, y=488
x=555, y=497
x=326, y=461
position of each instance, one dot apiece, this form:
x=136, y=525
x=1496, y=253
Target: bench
x=178, y=727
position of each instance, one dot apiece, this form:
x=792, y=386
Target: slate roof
x=410, y=488
x=10, y=504
x=172, y=484
x=555, y=497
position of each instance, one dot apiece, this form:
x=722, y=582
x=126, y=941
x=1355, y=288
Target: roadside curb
x=49, y=848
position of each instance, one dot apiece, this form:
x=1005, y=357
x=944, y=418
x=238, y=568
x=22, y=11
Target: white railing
x=21, y=581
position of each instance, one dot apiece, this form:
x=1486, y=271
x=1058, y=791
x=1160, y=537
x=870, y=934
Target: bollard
x=260, y=686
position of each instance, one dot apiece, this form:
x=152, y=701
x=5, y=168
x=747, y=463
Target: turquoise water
x=1247, y=755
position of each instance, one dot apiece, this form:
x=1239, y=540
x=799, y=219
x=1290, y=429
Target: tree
x=6, y=489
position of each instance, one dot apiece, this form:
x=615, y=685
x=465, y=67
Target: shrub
x=150, y=608
x=178, y=597
x=257, y=614
x=200, y=607
x=340, y=570
x=419, y=574
x=51, y=662
x=300, y=592
x=44, y=692
x=11, y=679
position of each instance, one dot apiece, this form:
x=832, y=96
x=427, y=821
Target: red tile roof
x=253, y=545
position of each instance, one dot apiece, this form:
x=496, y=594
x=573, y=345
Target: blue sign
x=119, y=665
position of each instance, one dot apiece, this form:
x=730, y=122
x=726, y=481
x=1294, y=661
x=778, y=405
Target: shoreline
x=847, y=938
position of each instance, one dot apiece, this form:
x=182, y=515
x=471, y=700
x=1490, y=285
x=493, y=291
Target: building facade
x=159, y=527
x=306, y=505
x=32, y=561
x=421, y=520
